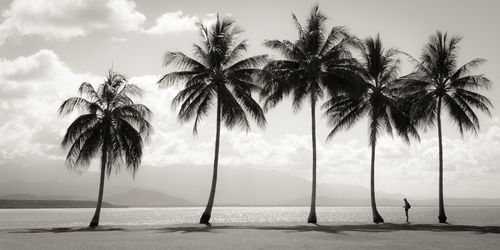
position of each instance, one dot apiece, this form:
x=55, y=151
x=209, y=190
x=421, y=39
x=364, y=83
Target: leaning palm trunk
x=95, y=220
x=312, y=214
x=205, y=217
x=442, y=215
x=376, y=216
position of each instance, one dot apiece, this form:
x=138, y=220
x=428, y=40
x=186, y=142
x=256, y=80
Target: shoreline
x=250, y=206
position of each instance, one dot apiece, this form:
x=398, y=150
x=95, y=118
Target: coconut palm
x=315, y=61
x=216, y=76
x=437, y=83
x=378, y=99
x=112, y=126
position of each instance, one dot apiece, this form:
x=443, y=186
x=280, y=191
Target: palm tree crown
x=217, y=74
x=437, y=79
x=315, y=61
x=379, y=96
x=112, y=123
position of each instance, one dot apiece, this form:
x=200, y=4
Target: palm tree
x=438, y=82
x=315, y=61
x=378, y=98
x=217, y=76
x=112, y=125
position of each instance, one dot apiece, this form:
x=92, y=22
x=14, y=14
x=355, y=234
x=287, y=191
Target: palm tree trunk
x=312, y=213
x=376, y=216
x=205, y=217
x=442, y=215
x=95, y=220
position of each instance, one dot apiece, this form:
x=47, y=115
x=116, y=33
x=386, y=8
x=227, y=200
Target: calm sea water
x=41, y=218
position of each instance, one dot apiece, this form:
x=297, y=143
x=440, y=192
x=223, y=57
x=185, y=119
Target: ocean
x=43, y=218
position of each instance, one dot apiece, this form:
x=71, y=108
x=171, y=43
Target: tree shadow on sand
x=339, y=229
x=332, y=229
x=68, y=230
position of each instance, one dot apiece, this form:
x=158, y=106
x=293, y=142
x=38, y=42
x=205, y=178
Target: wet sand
x=257, y=236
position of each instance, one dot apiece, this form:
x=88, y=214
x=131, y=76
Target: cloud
x=174, y=22
x=43, y=64
x=31, y=89
x=62, y=19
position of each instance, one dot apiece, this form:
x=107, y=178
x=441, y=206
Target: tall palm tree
x=379, y=99
x=112, y=125
x=216, y=76
x=437, y=83
x=315, y=61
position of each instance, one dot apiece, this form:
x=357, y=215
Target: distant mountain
x=50, y=204
x=85, y=187
x=138, y=197
x=40, y=197
x=182, y=185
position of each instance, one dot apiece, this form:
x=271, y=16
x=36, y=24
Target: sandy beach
x=257, y=236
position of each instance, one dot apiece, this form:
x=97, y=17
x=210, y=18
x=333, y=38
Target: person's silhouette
x=406, y=207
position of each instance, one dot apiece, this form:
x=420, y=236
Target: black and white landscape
x=128, y=124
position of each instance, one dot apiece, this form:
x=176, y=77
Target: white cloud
x=64, y=19
x=172, y=22
x=32, y=87
x=44, y=63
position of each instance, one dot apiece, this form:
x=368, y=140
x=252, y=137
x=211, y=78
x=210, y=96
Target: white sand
x=257, y=236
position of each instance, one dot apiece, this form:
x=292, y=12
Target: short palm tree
x=315, y=61
x=437, y=83
x=112, y=126
x=218, y=76
x=379, y=98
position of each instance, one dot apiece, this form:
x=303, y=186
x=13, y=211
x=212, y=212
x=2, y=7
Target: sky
x=49, y=47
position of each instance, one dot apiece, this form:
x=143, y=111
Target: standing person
x=406, y=207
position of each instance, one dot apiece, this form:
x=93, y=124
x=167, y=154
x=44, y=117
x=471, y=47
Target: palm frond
x=78, y=103
x=466, y=68
x=78, y=127
x=471, y=82
x=181, y=60
x=131, y=145
x=202, y=111
x=298, y=26
x=232, y=113
x=250, y=62
x=74, y=152
x=244, y=96
x=87, y=89
x=347, y=118
x=176, y=77
x=476, y=100
x=459, y=115
x=287, y=49
x=235, y=53
x=337, y=33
